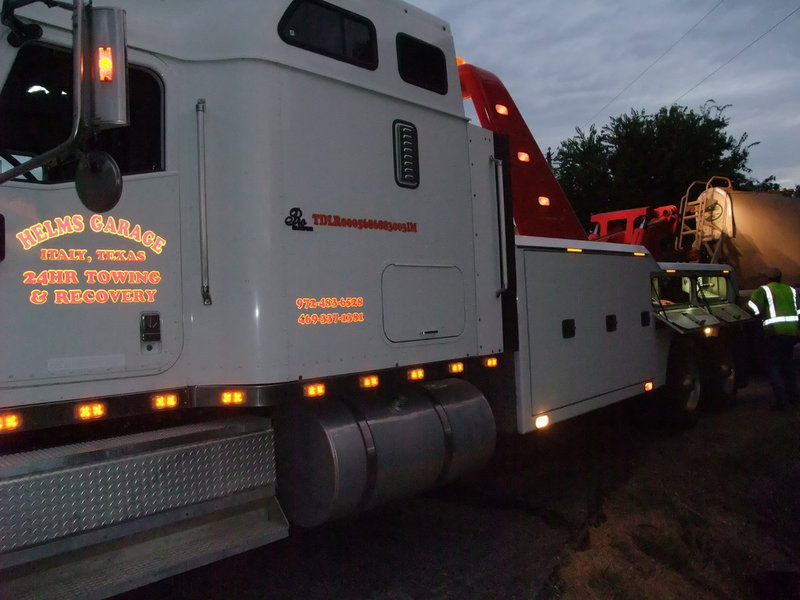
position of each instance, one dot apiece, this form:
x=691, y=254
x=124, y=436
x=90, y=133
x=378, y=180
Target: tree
x=766, y=185
x=582, y=168
x=642, y=159
x=770, y=184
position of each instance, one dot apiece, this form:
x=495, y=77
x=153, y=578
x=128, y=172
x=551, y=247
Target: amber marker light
x=456, y=367
x=639, y=254
x=544, y=201
x=105, y=64
x=524, y=157
x=416, y=374
x=368, y=382
x=165, y=401
x=501, y=109
x=10, y=422
x=542, y=421
x=648, y=386
x=314, y=390
x=460, y=61
x=90, y=410
x=671, y=271
x=575, y=250
x=490, y=362
x=232, y=397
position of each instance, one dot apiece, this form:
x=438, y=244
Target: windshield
x=713, y=288
x=671, y=289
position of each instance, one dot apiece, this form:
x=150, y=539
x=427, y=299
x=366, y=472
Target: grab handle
x=501, y=223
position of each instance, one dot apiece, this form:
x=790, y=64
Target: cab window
x=36, y=116
x=667, y=291
x=326, y=29
x=421, y=64
x=713, y=288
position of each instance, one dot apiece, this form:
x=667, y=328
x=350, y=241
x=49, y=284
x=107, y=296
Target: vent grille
x=406, y=154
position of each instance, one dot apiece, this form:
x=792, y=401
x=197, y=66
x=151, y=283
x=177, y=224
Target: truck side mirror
x=108, y=98
x=100, y=100
x=97, y=178
x=98, y=181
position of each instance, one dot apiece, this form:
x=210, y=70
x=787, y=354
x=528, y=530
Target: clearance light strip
x=575, y=250
x=56, y=414
x=41, y=417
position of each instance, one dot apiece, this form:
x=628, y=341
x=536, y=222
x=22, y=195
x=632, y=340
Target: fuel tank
x=344, y=455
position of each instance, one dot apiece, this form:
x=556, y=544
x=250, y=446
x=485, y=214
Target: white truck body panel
x=613, y=347
x=486, y=225
x=62, y=286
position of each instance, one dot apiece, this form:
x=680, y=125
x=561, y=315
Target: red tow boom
x=540, y=206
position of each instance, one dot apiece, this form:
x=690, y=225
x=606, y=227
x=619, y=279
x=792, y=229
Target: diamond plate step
x=166, y=491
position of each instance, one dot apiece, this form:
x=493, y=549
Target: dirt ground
x=713, y=512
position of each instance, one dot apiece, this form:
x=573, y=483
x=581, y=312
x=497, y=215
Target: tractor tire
x=719, y=374
x=684, y=385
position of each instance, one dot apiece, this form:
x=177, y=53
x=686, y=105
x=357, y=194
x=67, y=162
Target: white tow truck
x=257, y=267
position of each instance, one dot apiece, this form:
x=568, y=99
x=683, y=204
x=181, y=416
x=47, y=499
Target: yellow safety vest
x=776, y=304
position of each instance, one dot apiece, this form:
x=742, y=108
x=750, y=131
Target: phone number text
x=331, y=318
x=314, y=303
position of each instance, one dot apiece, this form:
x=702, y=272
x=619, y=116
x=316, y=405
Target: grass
x=709, y=513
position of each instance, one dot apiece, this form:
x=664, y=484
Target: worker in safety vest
x=777, y=305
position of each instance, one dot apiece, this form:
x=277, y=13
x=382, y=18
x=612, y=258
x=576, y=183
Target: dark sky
x=572, y=63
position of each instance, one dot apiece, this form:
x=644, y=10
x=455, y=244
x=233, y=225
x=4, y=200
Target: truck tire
x=684, y=384
x=719, y=374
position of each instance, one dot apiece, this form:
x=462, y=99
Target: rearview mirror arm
x=77, y=86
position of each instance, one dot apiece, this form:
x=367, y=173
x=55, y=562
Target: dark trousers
x=778, y=350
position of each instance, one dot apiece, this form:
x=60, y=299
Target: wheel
x=719, y=374
x=684, y=384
